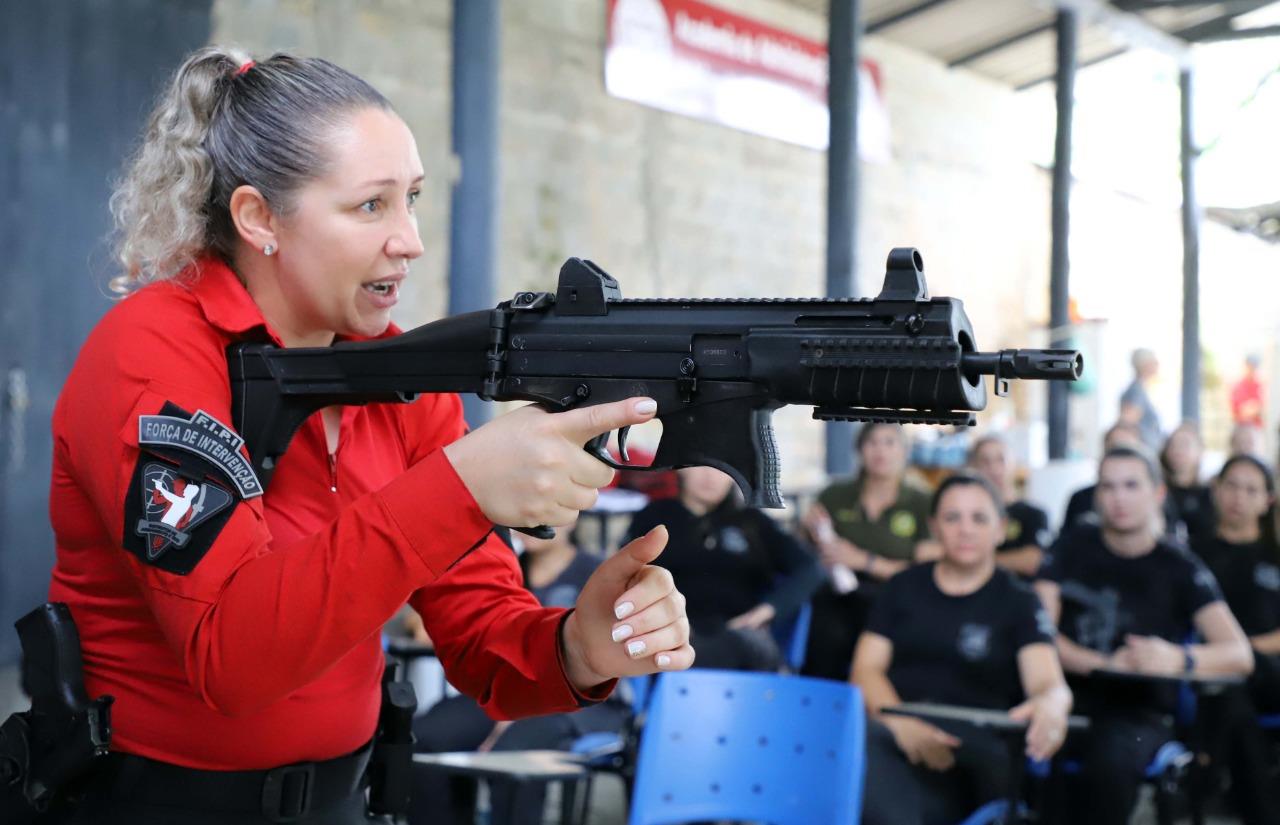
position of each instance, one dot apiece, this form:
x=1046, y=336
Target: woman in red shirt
x=237, y=629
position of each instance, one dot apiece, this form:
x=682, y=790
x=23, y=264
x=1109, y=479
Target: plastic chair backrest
x=765, y=747
x=792, y=637
x=641, y=688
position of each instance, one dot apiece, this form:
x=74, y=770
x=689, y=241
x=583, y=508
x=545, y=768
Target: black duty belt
x=284, y=794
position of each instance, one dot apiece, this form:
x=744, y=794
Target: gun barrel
x=1042, y=364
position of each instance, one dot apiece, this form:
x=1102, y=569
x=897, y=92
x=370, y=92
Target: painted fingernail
x=624, y=610
x=663, y=660
x=646, y=406
x=635, y=648
x=621, y=632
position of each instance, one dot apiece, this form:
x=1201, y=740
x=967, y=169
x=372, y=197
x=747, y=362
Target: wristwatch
x=1188, y=660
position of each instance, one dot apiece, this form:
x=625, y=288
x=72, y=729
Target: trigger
x=622, y=443
x=598, y=447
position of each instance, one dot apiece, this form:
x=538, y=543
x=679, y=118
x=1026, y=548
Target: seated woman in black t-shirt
x=737, y=568
x=1125, y=599
x=957, y=631
x=1244, y=558
x=1245, y=561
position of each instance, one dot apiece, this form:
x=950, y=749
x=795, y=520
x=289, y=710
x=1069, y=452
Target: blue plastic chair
x=781, y=749
x=793, y=637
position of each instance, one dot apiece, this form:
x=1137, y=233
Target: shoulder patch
x=171, y=521
x=903, y=524
x=203, y=435
x=184, y=488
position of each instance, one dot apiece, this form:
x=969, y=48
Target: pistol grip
x=735, y=436
x=766, y=492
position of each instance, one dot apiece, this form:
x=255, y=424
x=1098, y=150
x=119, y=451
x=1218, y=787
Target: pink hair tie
x=244, y=67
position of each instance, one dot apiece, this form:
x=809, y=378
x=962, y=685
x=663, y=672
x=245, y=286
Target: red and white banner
x=700, y=60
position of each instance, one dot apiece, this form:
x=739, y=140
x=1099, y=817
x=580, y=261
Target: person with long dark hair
x=1245, y=561
x=962, y=631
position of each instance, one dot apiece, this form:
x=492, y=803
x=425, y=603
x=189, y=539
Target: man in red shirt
x=1246, y=395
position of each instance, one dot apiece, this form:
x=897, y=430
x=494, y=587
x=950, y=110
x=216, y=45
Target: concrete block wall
x=676, y=207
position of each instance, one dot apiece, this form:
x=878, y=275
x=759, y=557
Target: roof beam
x=1217, y=27
x=1002, y=43
x=1229, y=7
x=1244, y=33
x=905, y=14
x=1239, y=34
x=1134, y=30
x=1238, y=6
x=1137, y=5
x=1222, y=23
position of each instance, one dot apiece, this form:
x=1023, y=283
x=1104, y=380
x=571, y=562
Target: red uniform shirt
x=1246, y=401
x=267, y=651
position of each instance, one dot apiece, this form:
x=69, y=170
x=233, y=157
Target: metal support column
x=843, y=46
x=1067, y=27
x=1190, y=260
x=474, y=201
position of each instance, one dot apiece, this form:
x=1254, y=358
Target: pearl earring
x=269, y=249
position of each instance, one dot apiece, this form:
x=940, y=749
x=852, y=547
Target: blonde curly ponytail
x=221, y=123
x=159, y=206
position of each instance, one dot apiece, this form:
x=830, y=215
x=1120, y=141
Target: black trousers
x=459, y=724
x=1264, y=683
x=115, y=796
x=105, y=811
x=900, y=793
x=1112, y=758
x=1237, y=744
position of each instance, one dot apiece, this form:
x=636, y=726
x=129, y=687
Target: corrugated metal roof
x=1013, y=41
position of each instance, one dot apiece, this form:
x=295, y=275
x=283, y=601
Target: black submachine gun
x=718, y=368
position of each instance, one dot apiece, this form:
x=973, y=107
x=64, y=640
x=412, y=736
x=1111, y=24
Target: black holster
x=45, y=750
x=391, y=767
